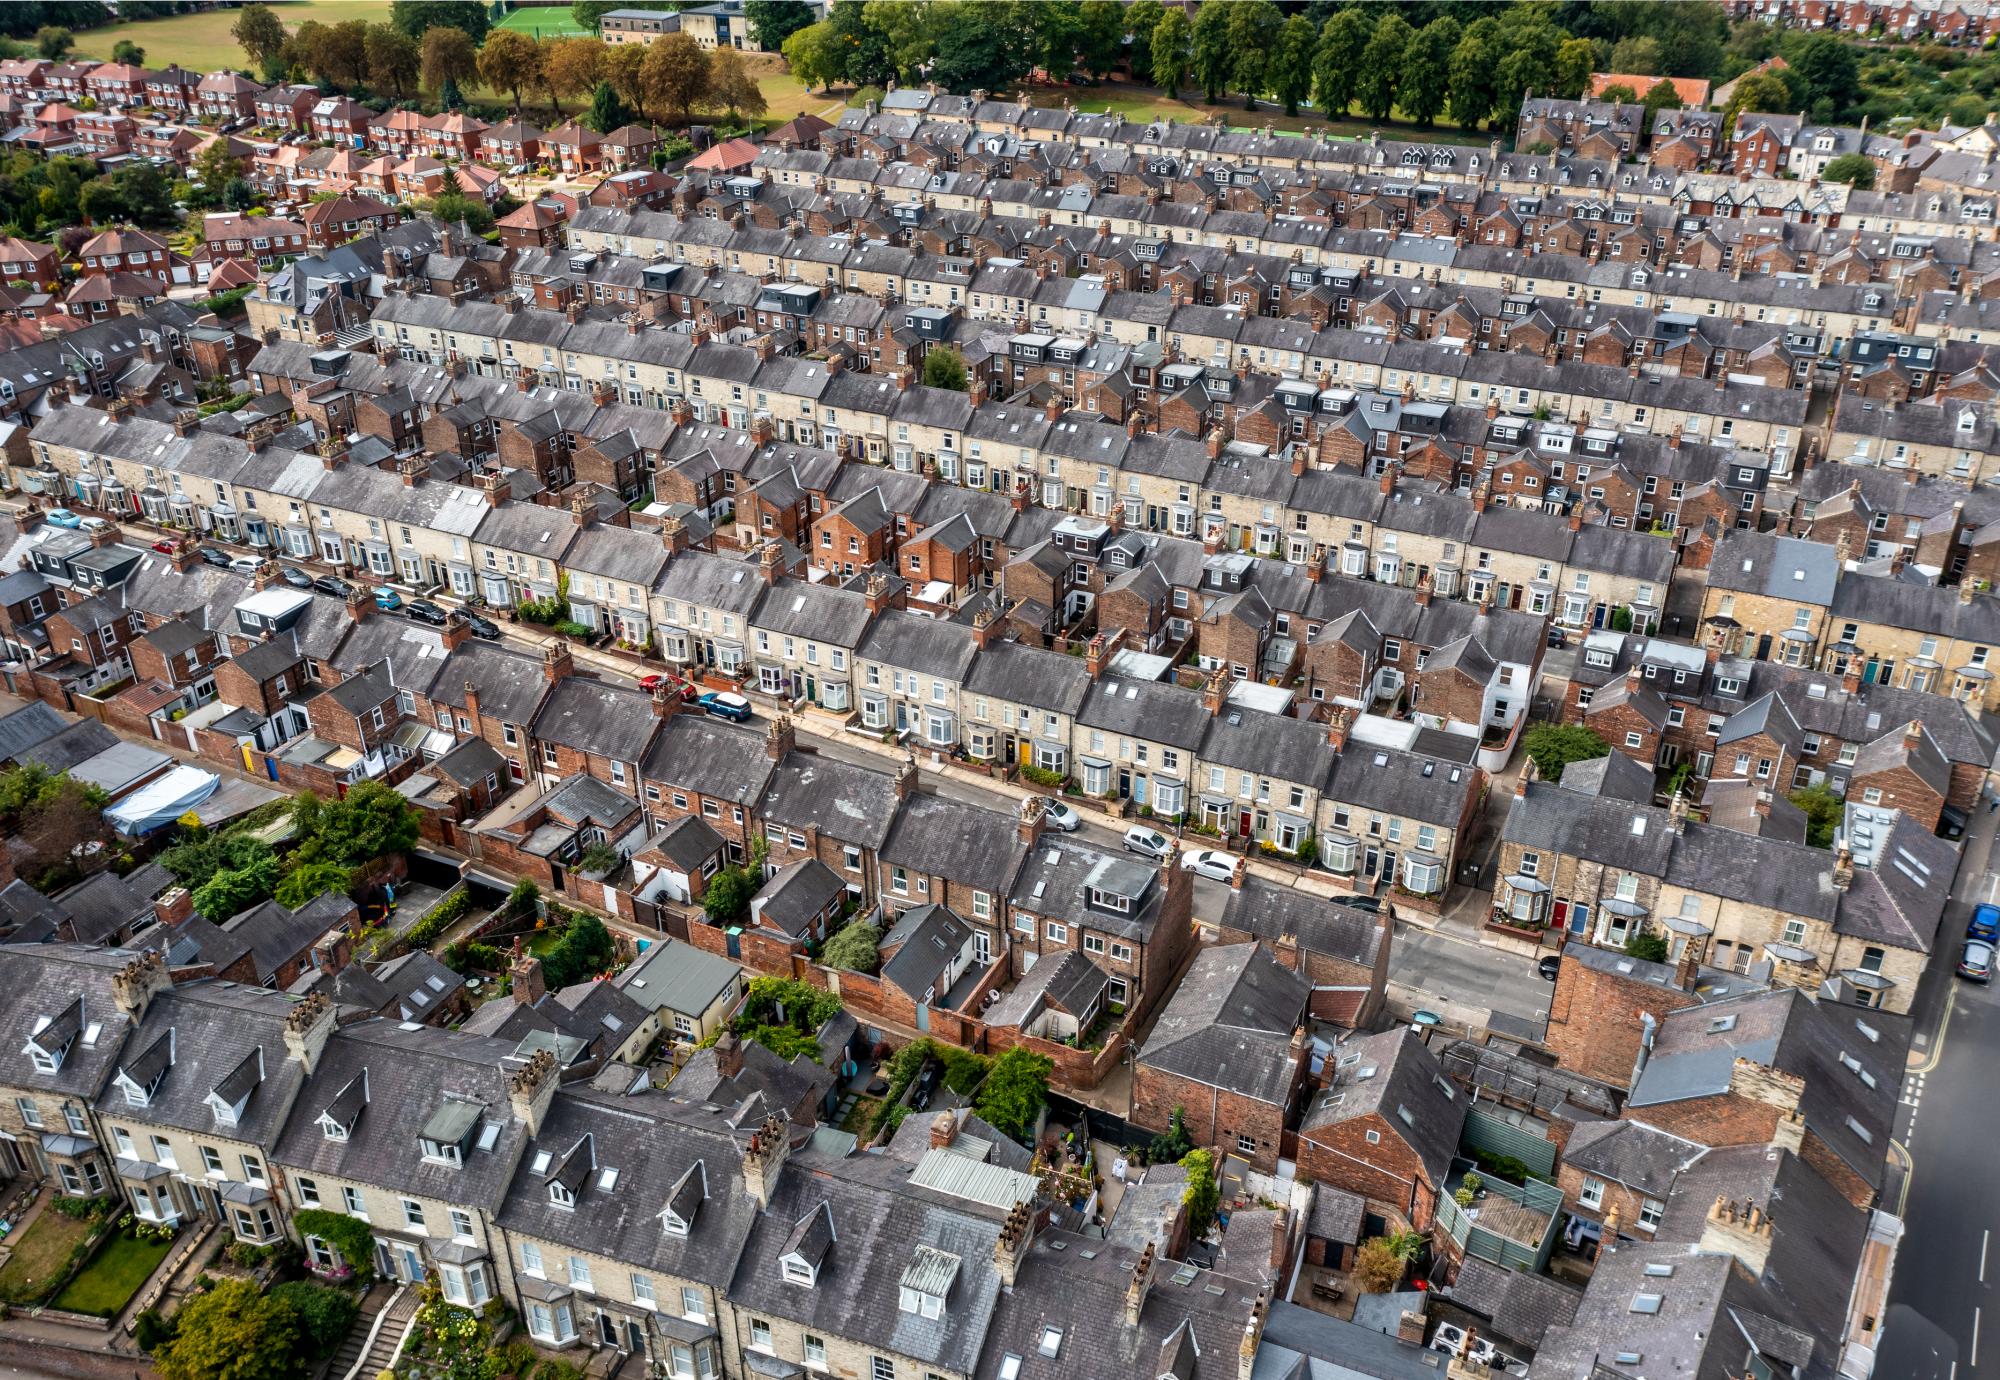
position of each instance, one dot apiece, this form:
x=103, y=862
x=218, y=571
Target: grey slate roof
x=1399, y=1080
x=1230, y=1022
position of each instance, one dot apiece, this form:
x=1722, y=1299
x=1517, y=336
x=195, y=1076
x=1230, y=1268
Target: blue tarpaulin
x=162, y=802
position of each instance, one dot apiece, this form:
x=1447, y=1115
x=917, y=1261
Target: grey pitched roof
x=28, y=726
x=1519, y=1306
x=969, y=844
x=797, y=894
x=1394, y=1076
x=277, y=935
x=1229, y=1024
x=672, y=976
x=1315, y=923
x=1632, y=1153
x=848, y=803
x=702, y=754
x=595, y=716
x=228, y=1042
x=926, y=939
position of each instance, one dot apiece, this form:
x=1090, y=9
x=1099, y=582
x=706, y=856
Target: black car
x=1548, y=965
x=482, y=627
x=296, y=578
x=213, y=556
x=927, y=1081
x=424, y=611
x=329, y=584
x=1371, y=904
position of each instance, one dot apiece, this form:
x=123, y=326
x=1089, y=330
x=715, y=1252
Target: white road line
x=1984, y=1238
x=1973, y=1360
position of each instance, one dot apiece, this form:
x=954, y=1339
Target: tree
x=1857, y=170
x=1291, y=70
x=202, y=854
x=1639, y=55
x=1824, y=811
x=338, y=52
x=308, y=880
x=447, y=55
x=570, y=67
x=1552, y=746
x=944, y=367
x=147, y=195
x=773, y=21
x=1574, y=59
x=232, y=892
x=1209, y=52
x=128, y=52
x=1172, y=1144
x=1759, y=93
x=909, y=33
x=1337, y=61
x=1100, y=34
x=232, y=1332
x=1474, y=73
x=727, y=895
x=324, y=1314
x=1619, y=93
x=855, y=948
x=1055, y=27
x=1425, y=84
x=52, y=42
x=864, y=50
x=1529, y=64
x=585, y=949
x=1664, y=95
x=1254, y=26
x=810, y=55
x=511, y=61
x=394, y=60
x=622, y=66
x=1382, y=65
x=732, y=86
x=1140, y=17
x=677, y=74
x=100, y=203
x=371, y=821
x=1828, y=67
x=589, y=14
x=1644, y=944
x=1378, y=1269
x=413, y=17
x=1015, y=1091
x=1167, y=51
x=259, y=33
x=1203, y=1194
x=607, y=110
x=217, y=166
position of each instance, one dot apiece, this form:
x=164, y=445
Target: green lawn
x=201, y=42
x=544, y=22
x=40, y=1252
x=120, y=1269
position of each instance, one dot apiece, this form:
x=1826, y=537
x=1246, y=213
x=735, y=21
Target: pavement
x=1947, y=1269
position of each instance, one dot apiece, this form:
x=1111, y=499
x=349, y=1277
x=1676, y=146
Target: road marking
x=1984, y=1238
x=1944, y=1024
x=1973, y=1360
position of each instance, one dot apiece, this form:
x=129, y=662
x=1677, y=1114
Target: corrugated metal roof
x=942, y=1171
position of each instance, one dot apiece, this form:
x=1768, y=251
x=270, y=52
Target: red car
x=660, y=680
x=164, y=547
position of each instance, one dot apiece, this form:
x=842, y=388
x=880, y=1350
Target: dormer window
x=798, y=1272
x=927, y=1282
x=684, y=1203
x=561, y=1196
x=448, y=1134
x=336, y=1121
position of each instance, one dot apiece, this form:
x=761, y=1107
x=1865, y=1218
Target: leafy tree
x=1647, y=945
x=732, y=86
x=1100, y=34
x=309, y=880
x=1167, y=51
x=394, y=59
x=1378, y=1269
x=570, y=67
x=944, y=367
x=1622, y=94
x=1015, y=1091
x=324, y=1314
x=1211, y=58
x=1172, y=1144
x=585, y=949
x=1203, y=1194
x=1382, y=64
x=232, y=892
x=126, y=51
x=607, y=110
x=447, y=55
x=511, y=61
x=449, y=96
x=1055, y=27
x=1759, y=92
x=622, y=66
x=1529, y=64
x=259, y=33
x=52, y=42
x=677, y=74
x=453, y=206
x=1664, y=95
x=1291, y=68
x=339, y=52
x=1425, y=83
x=982, y=48
x=866, y=59
x=1574, y=59
x=854, y=948
x=217, y=165
x=1823, y=810
x=413, y=17
x=1551, y=747
x=202, y=854
x=810, y=55
x=727, y=895
x=1828, y=67
x=773, y=21
x=371, y=821
x=1337, y=61
x=147, y=195
x=1140, y=18
x=589, y=14
x=1474, y=73
x=910, y=33
x=101, y=204
x=1639, y=55
x=1254, y=26
x=1857, y=170
x=232, y=1332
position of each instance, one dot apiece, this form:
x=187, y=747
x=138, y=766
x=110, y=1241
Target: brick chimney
x=529, y=984
x=944, y=1130
x=1031, y=819
x=1843, y=869
x=781, y=739
x=771, y=562
x=1253, y=1337
x=1215, y=690
x=1790, y=1132
x=906, y=778
x=674, y=535
x=1850, y=677
x=186, y=422
x=532, y=1088
x=1410, y=1328
x=875, y=593
x=1215, y=443
x=666, y=700
x=988, y=627
x=457, y=629
x=471, y=693
x=183, y=558
x=1742, y=1230
x=360, y=603
x=134, y=986
x=266, y=576
x=307, y=1028
x=557, y=662
x=763, y=1158
x=105, y=536
x=1138, y=1286
x=334, y=950
x=1020, y=497
x=173, y=906
x=728, y=1054
x=1017, y=1234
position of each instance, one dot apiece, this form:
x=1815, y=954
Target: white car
x=1150, y=842
x=1212, y=863
x=1060, y=814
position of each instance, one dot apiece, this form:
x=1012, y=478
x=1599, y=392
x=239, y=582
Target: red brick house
x=1386, y=1128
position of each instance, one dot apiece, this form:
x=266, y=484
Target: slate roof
x=1271, y=912
x=228, y=1041
x=1395, y=1078
x=698, y=753
x=594, y=716
x=277, y=935
x=849, y=803
x=969, y=844
x=926, y=939
x=672, y=976
x=1632, y=1153
x=1230, y=1022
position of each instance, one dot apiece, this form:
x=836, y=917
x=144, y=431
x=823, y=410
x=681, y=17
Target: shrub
x=439, y=918
x=1378, y=1268
x=573, y=629
x=1551, y=747
x=324, y=1313
x=585, y=950
x=1015, y=1091
x=150, y=1329
x=1043, y=777
x=857, y=948
x=1646, y=945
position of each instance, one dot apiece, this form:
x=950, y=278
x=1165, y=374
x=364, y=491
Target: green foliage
x=1857, y=170
x=727, y=895
x=324, y=1314
x=1426, y=76
x=1291, y=68
x=599, y=857
x=585, y=950
x=944, y=367
x=415, y=16
x=589, y=14
x=452, y=206
x=350, y=1236
x=150, y=1329
x=1337, y=60
x=1378, y=1268
x=812, y=57
x=53, y=42
x=231, y=1332
x=1663, y=95
x=1551, y=747
x=523, y=897
x=1042, y=776
x=1015, y=1091
x=371, y=821
x=856, y=948
x=128, y=52
x=607, y=111
x=28, y=789
x=439, y=918
x=773, y=21
x=234, y=890
x=570, y=628
x=1203, y=1195
x=302, y=884
x=1169, y=50
x=1647, y=945
x=1172, y=1144
x=1823, y=813
x=259, y=32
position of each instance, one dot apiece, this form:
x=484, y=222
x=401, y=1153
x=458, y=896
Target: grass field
x=122, y=1265
x=544, y=22
x=40, y=1253
x=201, y=42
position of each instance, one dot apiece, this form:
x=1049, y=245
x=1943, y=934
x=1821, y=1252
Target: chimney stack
x=771, y=562
x=1742, y=1230
x=1032, y=819
x=1336, y=730
x=307, y=1027
x=529, y=984
x=875, y=593
x=1253, y=1337
x=1843, y=868
x=781, y=739
x=134, y=986
x=174, y=905
x=987, y=627
x=557, y=662
x=1215, y=690
x=944, y=1130
x=532, y=1088
x=906, y=778
x=334, y=950
x=360, y=603
x=728, y=1054
x=1139, y=1286
x=1017, y=1233
x=763, y=1158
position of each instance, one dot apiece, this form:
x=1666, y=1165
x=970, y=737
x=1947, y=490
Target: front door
x=635, y=1337
x=1243, y=823
x=607, y=1329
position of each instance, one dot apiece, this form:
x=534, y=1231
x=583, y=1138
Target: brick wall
x=1388, y=1173
x=1214, y=1117
x=1594, y=1025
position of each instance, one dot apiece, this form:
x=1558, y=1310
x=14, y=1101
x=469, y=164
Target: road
x=1948, y=1266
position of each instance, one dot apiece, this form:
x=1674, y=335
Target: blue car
x=63, y=517
x=1985, y=924
x=387, y=599
x=724, y=705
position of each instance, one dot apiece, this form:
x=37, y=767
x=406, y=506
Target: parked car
x=725, y=705
x=332, y=584
x=424, y=611
x=925, y=1086
x=1975, y=960
x=482, y=627
x=664, y=680
x=164, y=546
x=1149, y=842
x=1060, y=814
x=213, y=556
x=62, y=517
x=1211, y=863
x=1548, y=965
x=296, y=578
x=1985, y=924
x=244, y=565
x=387, y=599
x=94, y=524
x=1370, y=904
